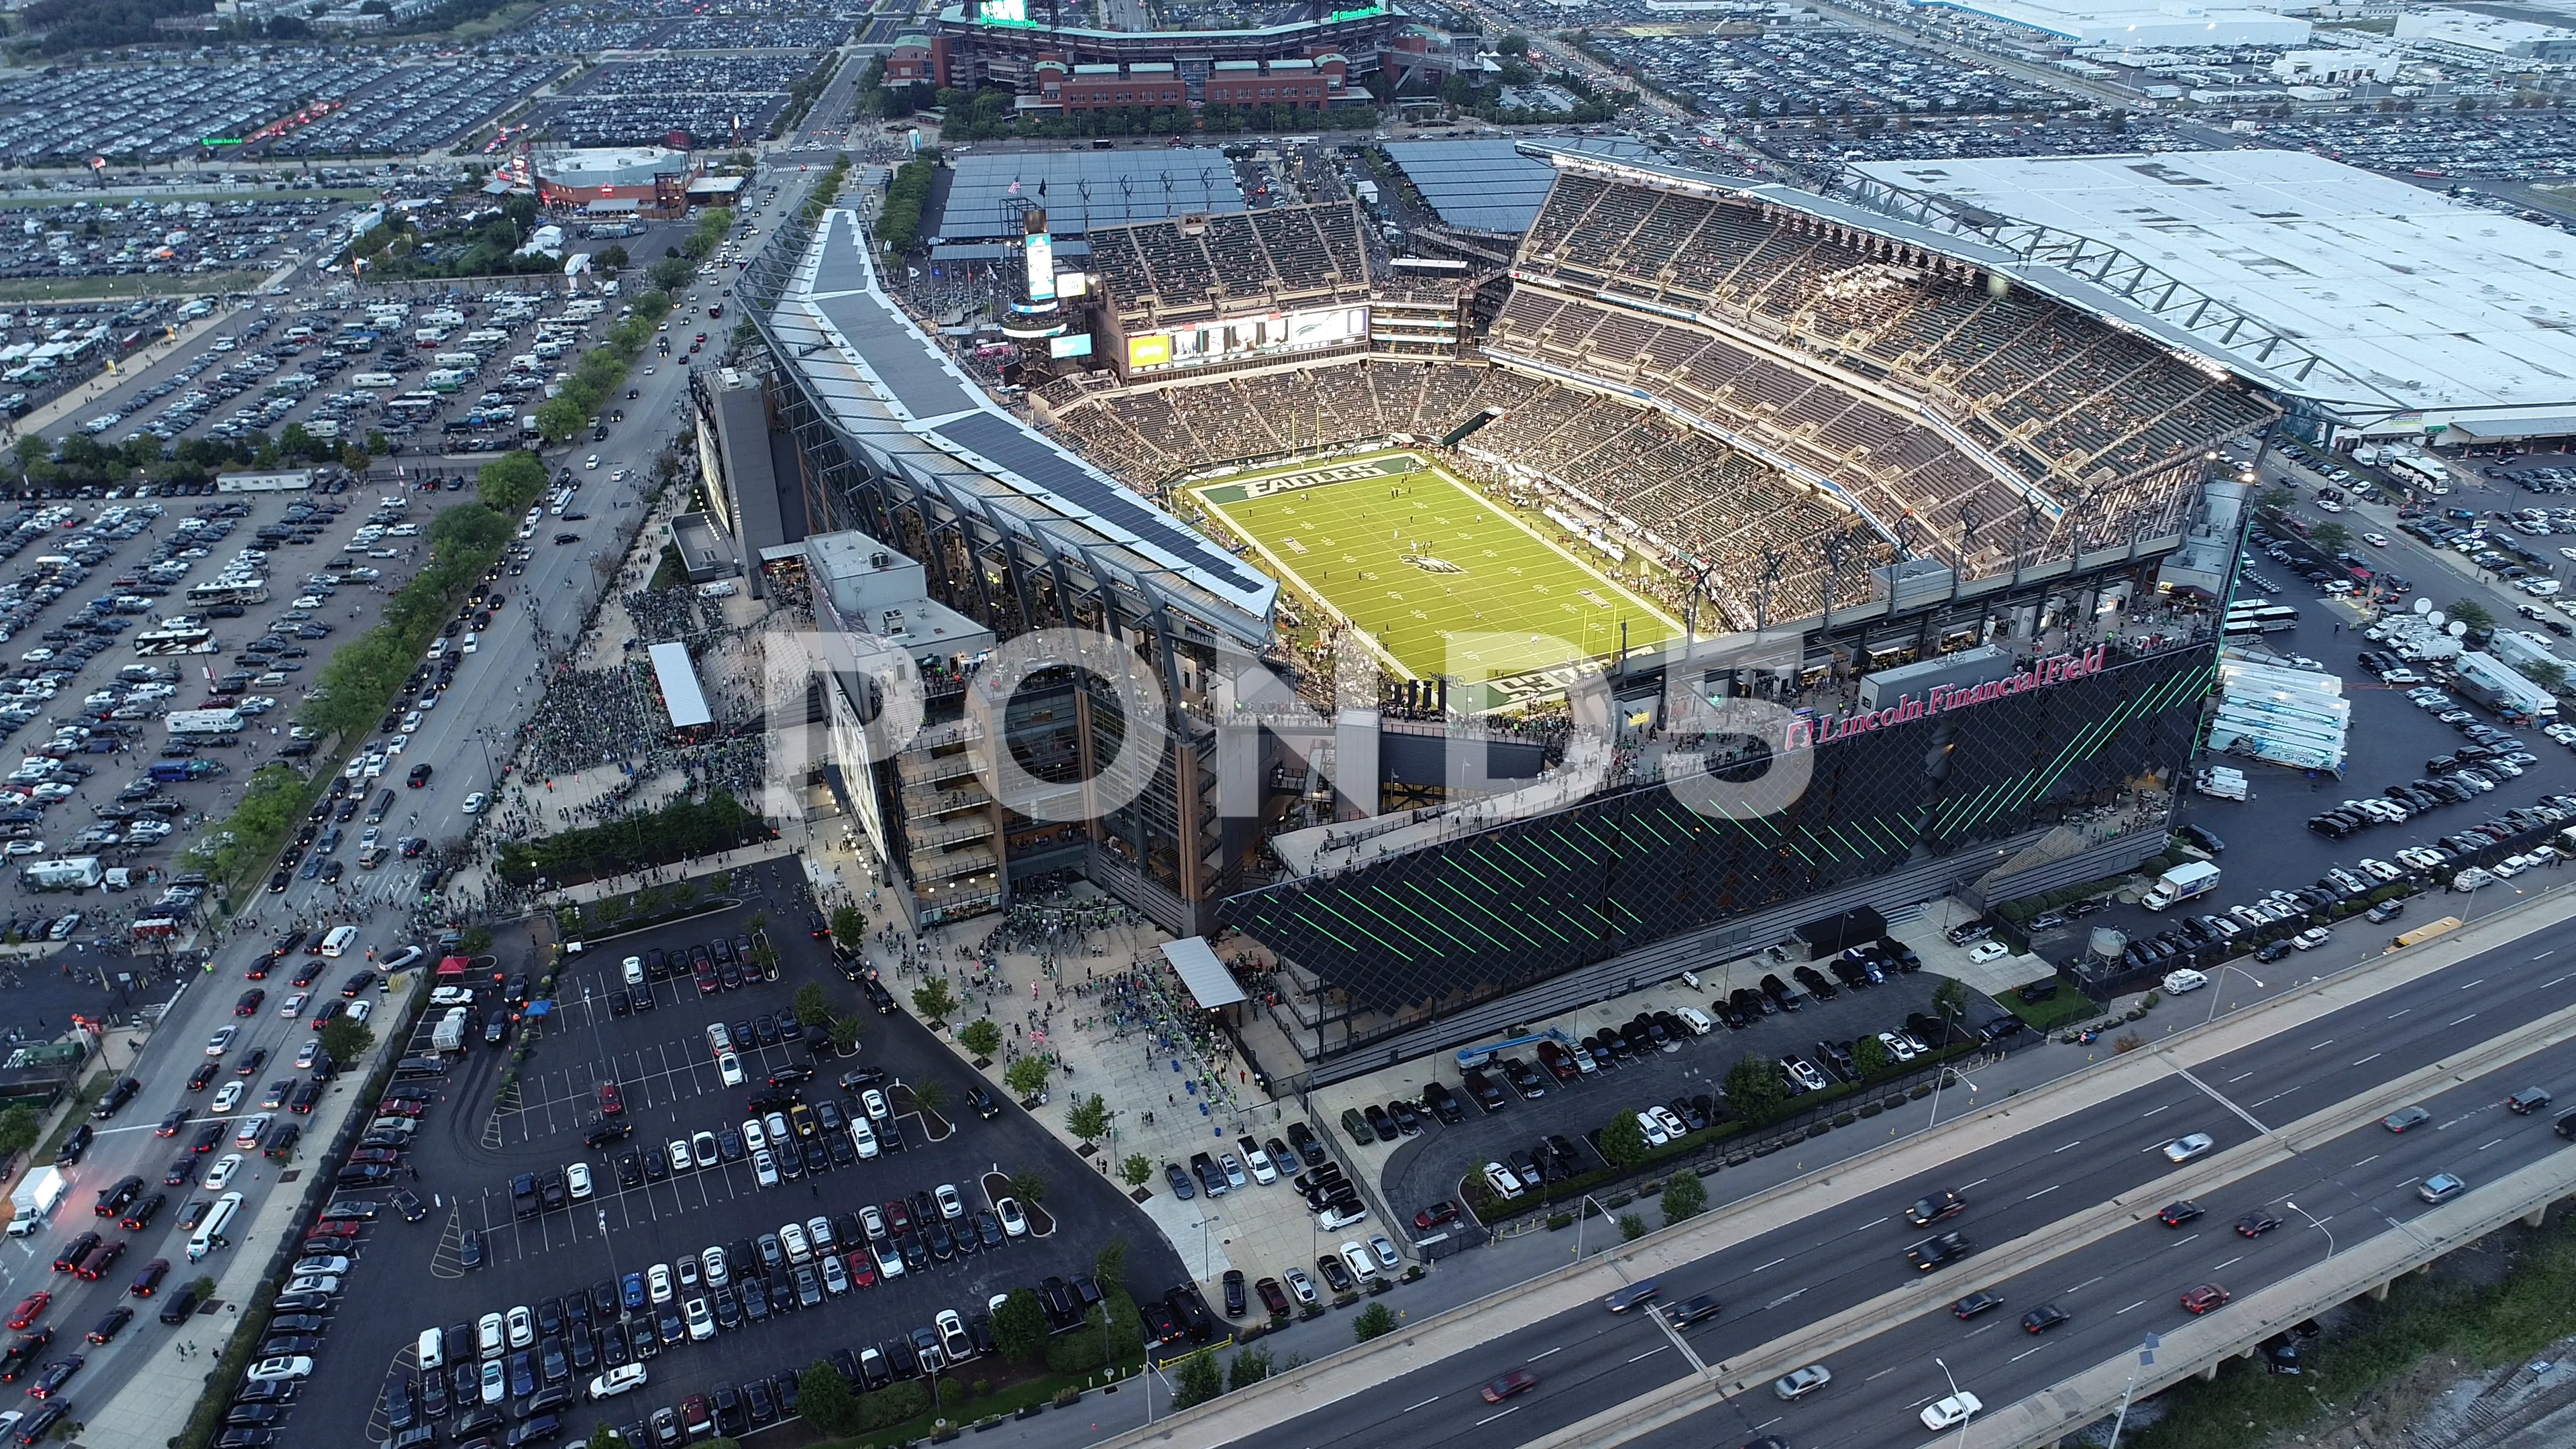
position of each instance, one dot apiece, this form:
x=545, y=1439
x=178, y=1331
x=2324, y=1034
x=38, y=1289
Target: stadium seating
x=1197, y=265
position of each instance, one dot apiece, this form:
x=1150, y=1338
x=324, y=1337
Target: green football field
x=1442, y=580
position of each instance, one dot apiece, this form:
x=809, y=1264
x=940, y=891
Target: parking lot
x=514, y=1224
x=1822, y=70
x=632, y=102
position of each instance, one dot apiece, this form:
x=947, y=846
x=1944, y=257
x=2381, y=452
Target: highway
x=1784, y=1281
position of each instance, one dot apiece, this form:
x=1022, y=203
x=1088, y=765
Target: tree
x=845, y=1034
x=930, y=1095
x=1029, y=1185
x=1869, y=1056
x=1136, y=1170
x=1020, y=1326
x=1375, y=1321
x=605, y=1437
x=1950, y=1001
x=812, y=1006
x=934, y=1000
x=1088, y=1117
x=1684, y=1197
x=509, y=485
x=2277, y=497
x=18, y=1128
x=1250, y=1367
x=981, y=1037
x=1754, y=1089
x=671, y=273
x=2471, y=613
x=1027, y=1077
x=1631, y=1227
x=1109, y=1265
x=1513, y=45
x=1623, y=1141
x=1197, y=1380
x=2546, y=674
x=347, y=1041
x=849, y=929
x=609, y=259
x=2330, y=536
x=824, y=1398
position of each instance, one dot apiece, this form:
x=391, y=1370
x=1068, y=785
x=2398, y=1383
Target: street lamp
x=1954, y=1394
x=2315, y=1222
x=1579, y=1205
x=2223, y=969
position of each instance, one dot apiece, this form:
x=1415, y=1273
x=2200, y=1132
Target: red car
x=399, y=1109
x=379, y=1156
x=1510, y=1385
x=102, y=1260
x=333, y=1230
x=2204, y=1298
x=863, y=1269
x=1436, y=1214
x=30, y=1308
x=611, y=1101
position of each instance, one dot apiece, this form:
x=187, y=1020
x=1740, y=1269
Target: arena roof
x=1082, y=189
x=895, y=395
x=2412, y=303
x=1481, y=185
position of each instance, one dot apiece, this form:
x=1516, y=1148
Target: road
x=487, y=706
x=1779, y=1282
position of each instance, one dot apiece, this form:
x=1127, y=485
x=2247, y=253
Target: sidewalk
x=162, y=1388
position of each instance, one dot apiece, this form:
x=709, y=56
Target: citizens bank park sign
x=1804, y=733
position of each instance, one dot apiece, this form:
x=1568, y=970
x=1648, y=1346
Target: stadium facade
x=1925, y=507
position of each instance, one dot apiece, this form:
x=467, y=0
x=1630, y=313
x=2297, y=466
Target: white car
x=657, y=1282
x=577, y=1180
x=712, y=1263
x=1897, y=1046
x=952, y=1335
x=309, y=1053
x=764, y=1168
x=474, y=806
x=621, y=1379
x=1985, y=951
x=1654, y=1130
x=229, y=1096
x=223, y=1170
x=754, y=1137
x=1504, y=1181
x=951, y=1206
x=729, y=1069
x=2375, y=540
x=702, y=1321
x=359, y=1011
x=221, y=1042
x=1259, y=1162
x=791, y=1237
x=2189, y=1146
x=293, y=1005
x=1015, y=1223
x=487, y=1336
x=1953, y=1411
x=276, y=1370
x=680, y=1155
x=523, y=1327
x=494, y=1386
x=2186, y=979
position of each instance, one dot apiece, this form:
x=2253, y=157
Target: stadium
x=1695, y=443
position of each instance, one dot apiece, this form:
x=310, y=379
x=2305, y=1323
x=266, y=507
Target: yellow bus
x=2428, y=931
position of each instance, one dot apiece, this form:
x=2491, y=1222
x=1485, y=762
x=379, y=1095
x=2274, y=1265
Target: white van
x=339, y=941
x=210, y=1233
x=1691, y=1016
x=432, y=1344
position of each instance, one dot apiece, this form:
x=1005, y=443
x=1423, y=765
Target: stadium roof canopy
x=897, y=398
x=2416, y=310
x=1082, y=189
x=1479, y=185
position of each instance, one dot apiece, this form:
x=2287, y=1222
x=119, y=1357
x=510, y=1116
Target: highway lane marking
x=2481, y=981
x=1650, y=1353
x=2329, y=1041
x=2554, y=980
x=1980, y=1182
x=1409, y=1408
x=2483, y=1146
x=1882, y=1373
x=2087, y=1283
x=2401, y=1011
x=2185, y=1238
x=2366, y=1061
x=2241, y=1076
x=1865, y=1227
x=2545, y=955
x=2045, y=1191
x=2027, y=1352
x=2472, y=1016
x=1514, y=1409
x=1783, y=1298
x=2144, y=1115
x=2230, y=1263
x=1533, y=1358
x=1971, y=1334
x=2141, y=1303
x=2365, y=1162
x=2078, y=1142
x=1774, y=1263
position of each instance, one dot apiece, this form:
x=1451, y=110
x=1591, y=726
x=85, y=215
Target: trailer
x=2491, y=683
x=184, y=722
x=35, y=1200
x=449, y=1034
x=72, y=873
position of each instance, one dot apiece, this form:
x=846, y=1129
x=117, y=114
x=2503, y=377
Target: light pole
x=1954, y=1394
x=2315, y=1222
x=1937, y=1080
x=2146, y=1356
x=2223, y=969
x=1579, y=1205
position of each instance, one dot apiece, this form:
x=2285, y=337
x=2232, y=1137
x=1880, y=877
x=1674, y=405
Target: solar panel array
x=1490, y=185
x=1083, y=189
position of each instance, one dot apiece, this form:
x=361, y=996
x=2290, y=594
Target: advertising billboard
x=1078, y=345
x=1039, y=249
x=1234, y=339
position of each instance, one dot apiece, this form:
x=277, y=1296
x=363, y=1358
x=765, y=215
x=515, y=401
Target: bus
x=411, y=405
x=2416, y=468
x=2267, y=619
x=253, y=591
x=2428, y=931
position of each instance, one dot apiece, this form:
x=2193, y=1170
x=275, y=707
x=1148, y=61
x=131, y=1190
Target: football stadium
x=1948, y=513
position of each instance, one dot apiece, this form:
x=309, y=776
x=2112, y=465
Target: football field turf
x=1412, y=557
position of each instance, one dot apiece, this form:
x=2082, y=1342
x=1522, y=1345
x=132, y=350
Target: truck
x=2222, y=782
x=35, y=1200
x=449, y=1034
x=2520, y=649
x=71, y=873
x=2191, y=878
x=183, y=722
x=2490, y=682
